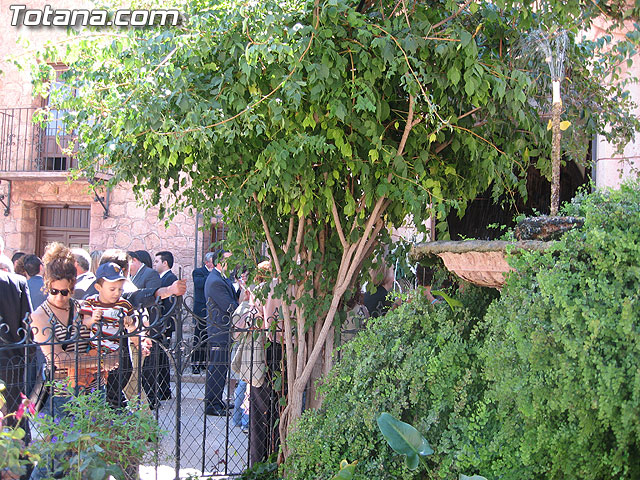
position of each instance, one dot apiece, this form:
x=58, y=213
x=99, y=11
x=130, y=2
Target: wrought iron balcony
x=27, y=147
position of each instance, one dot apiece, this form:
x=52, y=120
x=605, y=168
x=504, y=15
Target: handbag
x=249, y=361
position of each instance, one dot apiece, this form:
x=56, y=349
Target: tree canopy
x=315, y=126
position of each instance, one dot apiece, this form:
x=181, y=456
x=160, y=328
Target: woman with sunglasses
x=63, y=337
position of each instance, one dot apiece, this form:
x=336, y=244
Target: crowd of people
x=69, y=294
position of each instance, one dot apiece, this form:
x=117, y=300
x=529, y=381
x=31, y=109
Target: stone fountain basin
x=481, y=262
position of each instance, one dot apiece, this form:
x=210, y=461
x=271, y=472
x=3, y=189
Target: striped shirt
x=112, y=313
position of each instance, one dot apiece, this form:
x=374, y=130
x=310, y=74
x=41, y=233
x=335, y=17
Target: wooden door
x=67, y=224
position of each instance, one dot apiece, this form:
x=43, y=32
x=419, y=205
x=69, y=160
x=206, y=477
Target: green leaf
x=465, y=38
x=470, y=86
x=454, y=75
x=452, y=302
x=339, y=111
x=346, y=471
x=98, y=473
x=404, y=439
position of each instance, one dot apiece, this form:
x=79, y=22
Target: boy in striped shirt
x=109, y=305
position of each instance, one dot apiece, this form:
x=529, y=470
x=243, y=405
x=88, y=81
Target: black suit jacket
x=167, y=303
x=147, y=278
x=222, y=299
x=199, y=300
x=15, y=304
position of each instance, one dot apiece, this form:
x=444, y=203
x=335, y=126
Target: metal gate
x=193, y=443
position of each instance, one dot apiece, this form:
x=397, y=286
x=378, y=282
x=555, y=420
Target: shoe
x=245, y=430
x=195, y=370
x=216, y=411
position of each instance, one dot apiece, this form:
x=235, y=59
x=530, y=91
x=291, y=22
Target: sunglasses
x=55, y=291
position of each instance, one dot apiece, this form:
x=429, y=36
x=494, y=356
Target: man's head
x=135, y=263
x=220, y=259
x=208, y=260
x=163, y=261
x=117, y=256
x=83, y=260
x=18, y=266
x=110, y=280
x=33, y=265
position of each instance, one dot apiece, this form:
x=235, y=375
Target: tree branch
x=451, y=17
x=336, y=219
x=289, y=235
x=407, y=126
x=267, y=233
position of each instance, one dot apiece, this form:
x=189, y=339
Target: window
x=55, y=137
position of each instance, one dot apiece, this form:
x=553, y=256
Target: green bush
x=562, y=354
x=417, y=363
x=546, y=386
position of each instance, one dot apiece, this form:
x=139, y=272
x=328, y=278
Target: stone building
x=39, y=203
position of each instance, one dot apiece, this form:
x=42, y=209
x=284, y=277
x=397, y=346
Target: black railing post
x=178, y=372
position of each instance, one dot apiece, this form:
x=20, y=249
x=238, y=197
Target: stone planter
x=484, y=262
x=481, y=262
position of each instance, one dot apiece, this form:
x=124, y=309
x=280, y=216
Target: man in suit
x=142, y=275
x=221, y=295
x=163, y=263
x=35, y=268
x=85, y=278
x=199, y=353
x=15, y=304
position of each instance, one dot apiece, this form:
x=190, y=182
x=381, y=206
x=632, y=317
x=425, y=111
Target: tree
x=315, y=127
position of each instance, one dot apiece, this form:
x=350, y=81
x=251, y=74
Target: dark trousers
x=200, y=346
x=264, y=411
x=156, y=378
x=218, y=367
x=118, y=378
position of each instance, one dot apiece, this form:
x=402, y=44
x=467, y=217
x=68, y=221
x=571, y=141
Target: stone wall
x=20, y=43
x=612, y=168
x=128, y=226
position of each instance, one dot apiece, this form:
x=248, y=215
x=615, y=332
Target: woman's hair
x=18, y=265
x=96, y=255
x=59, y=264
x=145, y=257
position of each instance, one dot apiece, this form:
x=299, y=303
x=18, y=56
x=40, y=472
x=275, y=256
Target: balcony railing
x=26, y=146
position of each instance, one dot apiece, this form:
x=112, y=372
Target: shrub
x=563, y=353
x=417, y=363
x=93, y=440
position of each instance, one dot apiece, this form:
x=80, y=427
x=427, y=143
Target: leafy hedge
x=417, y=363
x=563, y=352
x=546, y=386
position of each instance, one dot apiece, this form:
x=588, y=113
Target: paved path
x=204, y=450
x=203, y=439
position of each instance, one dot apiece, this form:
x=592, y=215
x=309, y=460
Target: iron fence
x=198, y=439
